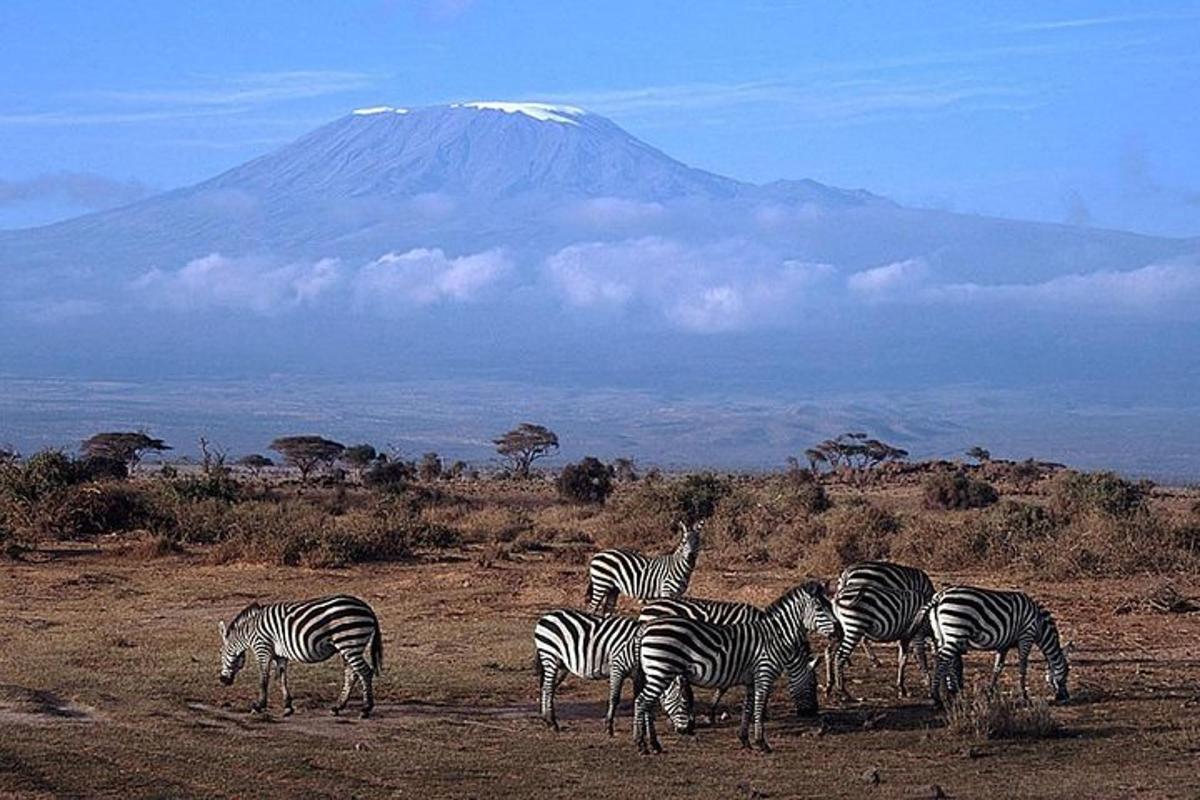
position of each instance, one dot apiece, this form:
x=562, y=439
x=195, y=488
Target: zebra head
x=818, y=610
x=803, y=608
x=1056, y=660
x=234, y=641
x=683, y=720
x=802, y=683
x=689, y=544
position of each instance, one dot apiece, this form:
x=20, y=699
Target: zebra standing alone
x=725, y=612
x=591, y=647
x=308, y=631
x=967, y=618
x=885, y=575
x=615, y=572
x=752, y=654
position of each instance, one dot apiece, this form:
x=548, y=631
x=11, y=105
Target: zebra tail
x=587, y=598
x=377, y=651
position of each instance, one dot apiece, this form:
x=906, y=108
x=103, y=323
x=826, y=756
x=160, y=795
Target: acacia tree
x=525, y=444
x=980, y=454
x=854, y=450
x=125, y=447
x=255, y=462
x=306, y=452
x=359, y=457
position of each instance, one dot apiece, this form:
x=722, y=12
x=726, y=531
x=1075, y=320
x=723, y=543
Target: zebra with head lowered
x=615, y=572
x=967, y=618
x=592, y=647
x=752, y=654
x=724, y=612
x=884, y=575
x=308, y=631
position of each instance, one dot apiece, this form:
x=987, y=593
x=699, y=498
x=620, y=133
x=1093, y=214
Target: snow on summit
x=543, y=112
x=365, y=112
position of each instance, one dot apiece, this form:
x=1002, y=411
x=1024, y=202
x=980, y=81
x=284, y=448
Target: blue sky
x=1079, y=112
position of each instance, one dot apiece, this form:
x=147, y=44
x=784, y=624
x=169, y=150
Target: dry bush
x=975, y=715
x=956, y=490
x=768, y=521
x=1098, y=544
x=854, y=531
x=643, y=516
x=1005, y=534
x=1077, y=493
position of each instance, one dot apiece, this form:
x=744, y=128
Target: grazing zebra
x=591, y=647
x=887, y=575
x=724, y=612
x=966, y=618
x=868, y=612
x=308, y=631
x=752, y=655
x=614, y=572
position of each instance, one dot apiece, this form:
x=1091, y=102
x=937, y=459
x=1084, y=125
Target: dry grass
x=978, y=716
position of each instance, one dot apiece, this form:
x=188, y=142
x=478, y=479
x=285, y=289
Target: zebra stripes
x=591, y=647
x=867, y=612
x=308, y=631
x=615, y=572
x=725, y=612
x=967, y=618
x=752, y=654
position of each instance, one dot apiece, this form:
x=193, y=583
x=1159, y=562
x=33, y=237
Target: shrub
x=956, y=490
x=92, y=509
x=429, y=468
x=1076, y=493
x=388, y=475
x=975, y=715
x=856, y=531
x=696, y=496
x=589, y=481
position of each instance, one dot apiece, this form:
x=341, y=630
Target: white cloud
x=249, y=284
x=890, y=280
x=614, y=212
x=422, y=276
x=719, y=286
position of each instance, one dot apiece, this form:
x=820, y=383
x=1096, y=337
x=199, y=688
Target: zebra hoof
x=335, y=710
x=257, y=709
x=288, y=711
x=763, y=747
x=365, y=714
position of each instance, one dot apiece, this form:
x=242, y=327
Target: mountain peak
x=543, y=112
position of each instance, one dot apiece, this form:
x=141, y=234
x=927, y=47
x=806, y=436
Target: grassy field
x=108, y=687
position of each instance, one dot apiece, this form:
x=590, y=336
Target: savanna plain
x=110, y=590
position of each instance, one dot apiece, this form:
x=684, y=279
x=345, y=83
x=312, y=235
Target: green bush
x=956, y=490
x=589, y=481
x=696, y=496
x=1076, y=493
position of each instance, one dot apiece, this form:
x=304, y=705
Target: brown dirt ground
x=108, y=687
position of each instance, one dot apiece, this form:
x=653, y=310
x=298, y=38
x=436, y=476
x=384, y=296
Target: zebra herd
x=677, y=643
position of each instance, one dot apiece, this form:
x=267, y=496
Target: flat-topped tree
x=125, y=447
x=307, y=452
x=525, y=444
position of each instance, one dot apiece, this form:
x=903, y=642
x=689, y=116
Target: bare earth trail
x=108, y=688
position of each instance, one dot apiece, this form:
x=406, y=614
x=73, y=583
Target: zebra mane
x=245, y=614
x=811, y=588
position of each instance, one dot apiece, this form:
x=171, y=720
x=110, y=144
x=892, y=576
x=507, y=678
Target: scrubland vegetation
x=337, y=506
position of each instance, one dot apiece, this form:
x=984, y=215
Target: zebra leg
x=996, y=667
x=747, y=712
x=616, y=680
x=348, y=681
x=829, y=648
x=550, y=682
x=712, y=712
x=1023, y=648
x=762, y=689
x=367, y=678
x=871, y=654
x=281, y=668
x=902, y=662
x=840, y=659
x=264, y=680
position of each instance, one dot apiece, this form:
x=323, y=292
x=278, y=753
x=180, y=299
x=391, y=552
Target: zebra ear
x=812, y=662
x=221, y=628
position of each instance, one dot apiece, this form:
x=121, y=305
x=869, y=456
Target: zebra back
x=887, y=575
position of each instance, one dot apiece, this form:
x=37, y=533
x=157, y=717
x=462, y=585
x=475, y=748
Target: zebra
x=613, y=572
x=818, y=617
x=887, y=575
x=752, y=654
x=592, y=647
x=968, y=618
x=867, y=612
x=308, y=631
